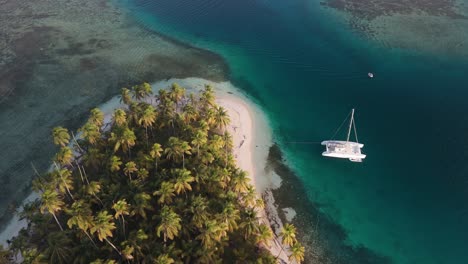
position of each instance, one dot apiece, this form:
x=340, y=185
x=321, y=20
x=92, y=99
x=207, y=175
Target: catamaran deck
x=343, y=149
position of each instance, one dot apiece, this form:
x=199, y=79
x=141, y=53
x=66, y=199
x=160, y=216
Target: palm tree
x=165, y=193
x=155, y=153
x=288, y=232
x=121, y=208
x=216, y=143
x=249, y=223
x=124, y=138
x=127, y=252
x=103, y=225
x=141, y=204
x=207, y=96
x=230, y=216
x=142, y=174
x=51, y=203
x=93, y=188
x=206, y=157
x=130, y=168
x=199, y=210
x=115, y=163
x=119, y=117
x=80, y=216
x=147, y=118
x=185, y=149
x=224, y=178
x=58, y=248
x=169, y=225
x=141, y=91
x=64, y=156
x=135, y=110
x=221, y=118
x=61, y=136
x=66, y=182
x=250, y=196
x=259, y=203
x=297, y=252
x=240, y=181
x=125, y=96
x=136, y=242
x=209, y=116
x=203, y=125
x=212, y=233
x=228, y=146
x=32, y=256
x=97, y=117
x=199, y=139
x=173, y=151
x=265, y=235
x=177, y=93
x=190, y=113
x=183, y=178
x=164, y=259
x=91, y=132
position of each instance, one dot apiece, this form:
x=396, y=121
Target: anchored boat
x=345, y=149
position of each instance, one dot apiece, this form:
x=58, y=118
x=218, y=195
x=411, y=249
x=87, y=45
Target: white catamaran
x=345, y=149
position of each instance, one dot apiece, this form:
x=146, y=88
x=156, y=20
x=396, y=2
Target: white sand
x=252, y=139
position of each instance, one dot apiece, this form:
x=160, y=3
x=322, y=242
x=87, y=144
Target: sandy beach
x=246, y=122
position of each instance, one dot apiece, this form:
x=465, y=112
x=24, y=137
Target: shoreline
x=251, y=159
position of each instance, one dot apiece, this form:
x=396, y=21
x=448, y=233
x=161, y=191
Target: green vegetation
x=158, y=184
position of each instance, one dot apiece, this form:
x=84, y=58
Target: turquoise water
x=307, y=69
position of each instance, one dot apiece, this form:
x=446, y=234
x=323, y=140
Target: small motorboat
x=370, y=74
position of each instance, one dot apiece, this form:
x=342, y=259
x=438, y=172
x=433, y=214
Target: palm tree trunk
x=100, y=201
x=123, y=226
x=76, y=142
x=146, y=132
x=64, y=183
x=90, y=238
x=113, y=246
x=58, y=223
x=84, y=172
x=79, y=169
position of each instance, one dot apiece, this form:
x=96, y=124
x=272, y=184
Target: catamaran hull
x=344, y=150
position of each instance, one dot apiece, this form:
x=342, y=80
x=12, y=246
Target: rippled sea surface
x=306, y=64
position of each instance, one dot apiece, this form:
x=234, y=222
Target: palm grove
x=156, y=184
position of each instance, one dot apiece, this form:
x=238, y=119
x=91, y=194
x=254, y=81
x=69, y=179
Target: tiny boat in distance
x=345, y=149
x=370, y=74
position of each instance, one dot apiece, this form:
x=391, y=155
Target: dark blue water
x=307, y=69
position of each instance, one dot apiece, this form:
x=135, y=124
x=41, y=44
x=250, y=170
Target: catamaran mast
x=350, y=125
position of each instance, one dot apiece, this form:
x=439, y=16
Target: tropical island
x=156, y=181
